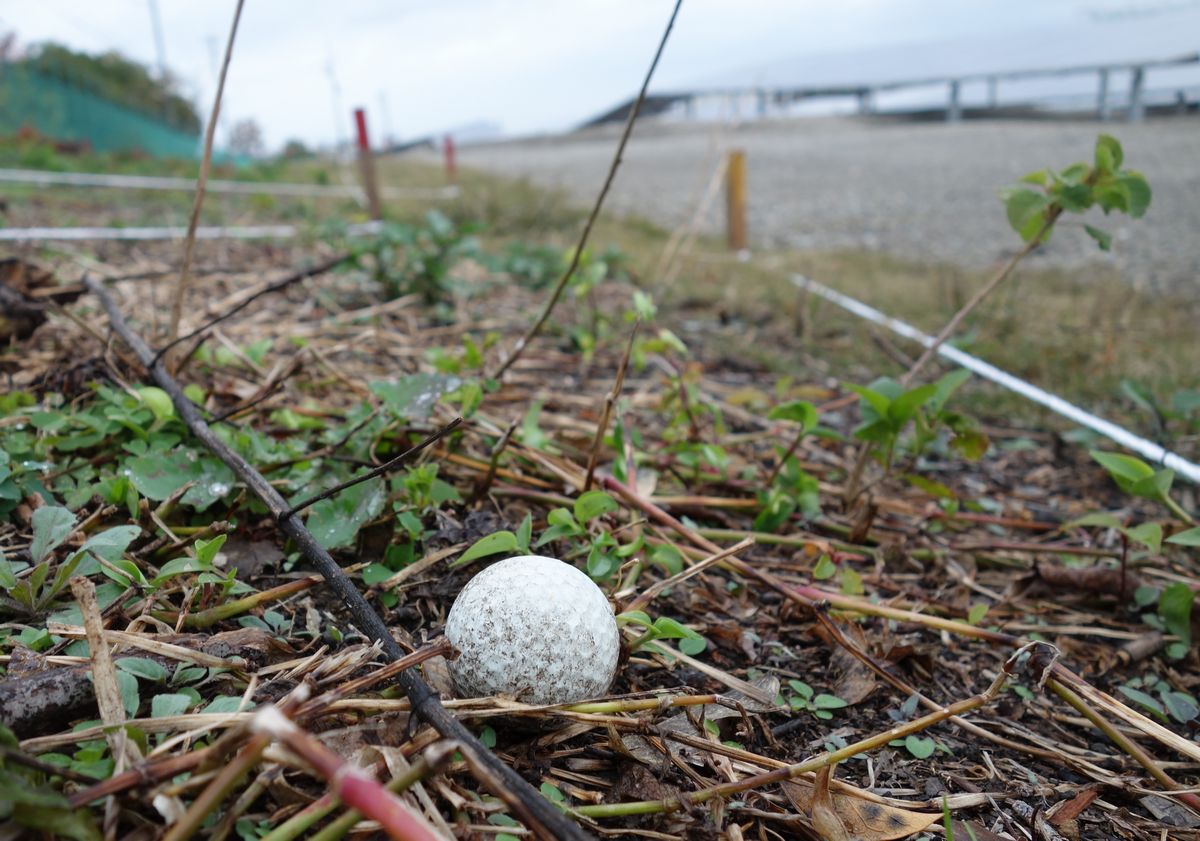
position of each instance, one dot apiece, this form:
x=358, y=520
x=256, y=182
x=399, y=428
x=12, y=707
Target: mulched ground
x=1031, y=766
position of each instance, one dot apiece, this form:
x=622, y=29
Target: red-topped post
x=366, y=162
x=449, y=154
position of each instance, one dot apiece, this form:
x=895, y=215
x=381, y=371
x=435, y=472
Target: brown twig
x=485, y=482
x=282, y=283
x=533, y=809
x=609, y=401
x=577, y=255
x=388, y=465
x=189, y=245
x=788, y=772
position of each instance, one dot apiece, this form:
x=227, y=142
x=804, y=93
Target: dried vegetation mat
x=847, y=613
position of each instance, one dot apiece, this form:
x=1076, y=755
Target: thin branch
x=979, y=297
x=189, y=245
x=485, y=483
x=537, y=325
x=390, y=464
x=282, y=283
x=534, y=810
x=609, y=401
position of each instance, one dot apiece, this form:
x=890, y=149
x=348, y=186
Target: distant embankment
x=917, y=190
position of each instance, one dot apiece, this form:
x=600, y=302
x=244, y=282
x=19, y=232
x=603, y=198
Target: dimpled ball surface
x=534, y=628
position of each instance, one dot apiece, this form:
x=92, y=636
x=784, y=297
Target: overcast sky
x=422, y=66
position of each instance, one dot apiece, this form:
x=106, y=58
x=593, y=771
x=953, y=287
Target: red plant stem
x=348, y=782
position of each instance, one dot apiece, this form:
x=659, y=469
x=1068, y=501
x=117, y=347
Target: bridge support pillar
x=954, y=106
x=1103, y=109
x=1137, y=108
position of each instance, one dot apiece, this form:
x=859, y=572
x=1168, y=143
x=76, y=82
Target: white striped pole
x=1116, y=434
x=168, y=233
x=44, y=178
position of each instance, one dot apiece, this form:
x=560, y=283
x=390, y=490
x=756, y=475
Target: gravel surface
x=918, y=190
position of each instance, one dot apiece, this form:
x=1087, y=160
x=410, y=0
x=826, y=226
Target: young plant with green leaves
x=1137, y=478
x=664, y=627
x=789, y=487
x=898, y=420
x=579, y=527
x=801, y=696
x=417, y=259
x=1043, y=196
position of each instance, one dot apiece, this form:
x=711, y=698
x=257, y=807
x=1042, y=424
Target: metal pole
x=866, y=102
x=159, y=44
x=1103, y=110
x=954, y=108
x=735, y=199
x=367, y=161
x=1137, y=108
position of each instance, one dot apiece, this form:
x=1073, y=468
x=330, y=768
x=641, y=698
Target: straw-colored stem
x=788, y=772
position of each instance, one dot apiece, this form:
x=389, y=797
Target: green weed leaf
x=1103, y=238
x=1175, y=609
x=798, y=411
x=594, y=504
x=1109, y=155
x=501, y=541
x=143, y=667
x=158, y=401
x=169, y=704
x=51, y=526
x=825, y=568
x=335, y=522
x=1147, y=534
x=413, y=397
x=1139, y=193
x=1191, y=537
x=920, y=747
x=1025, y=210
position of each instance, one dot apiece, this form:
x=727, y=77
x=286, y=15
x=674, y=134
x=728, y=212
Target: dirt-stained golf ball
x=534, y=628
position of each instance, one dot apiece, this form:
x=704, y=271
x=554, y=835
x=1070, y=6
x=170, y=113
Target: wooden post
x=735, y=199
x=954, y=107
x=1137, y=108
x=366, y=162
x=1103, y=110
x=866, y=102
x=449, y=156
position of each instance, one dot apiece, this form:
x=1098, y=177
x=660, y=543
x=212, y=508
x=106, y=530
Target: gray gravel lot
x=918, y=190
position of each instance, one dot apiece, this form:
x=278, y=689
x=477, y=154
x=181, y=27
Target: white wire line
x=1147, y=449
x=170, y=233
x=44, y=178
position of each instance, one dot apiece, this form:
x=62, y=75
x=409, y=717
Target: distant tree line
x=118, y=79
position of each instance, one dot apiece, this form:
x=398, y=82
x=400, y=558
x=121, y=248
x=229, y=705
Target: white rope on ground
x=168, y=233
x=152, y=182
x=1117, y=434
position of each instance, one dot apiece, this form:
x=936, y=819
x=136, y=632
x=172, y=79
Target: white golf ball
x=534, y=628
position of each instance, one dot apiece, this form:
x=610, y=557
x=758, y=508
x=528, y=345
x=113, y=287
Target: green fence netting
x=62, y=111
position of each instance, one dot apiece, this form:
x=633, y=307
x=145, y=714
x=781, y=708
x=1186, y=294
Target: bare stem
x=189, y=245
x=537, y=325
x=788, y=772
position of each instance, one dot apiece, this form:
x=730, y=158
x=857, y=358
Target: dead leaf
x=251, y=557
x=863, y=819
x=1069, y=810
x=970, y=829
x=825, y=818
